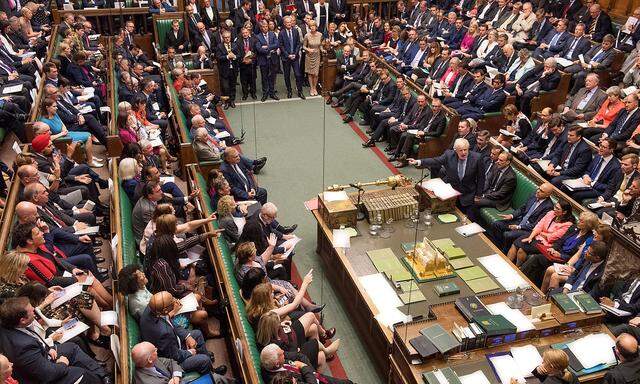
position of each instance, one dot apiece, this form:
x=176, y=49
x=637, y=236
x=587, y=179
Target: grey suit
x=231, y=233
x=601, y=59
x=148, y=376
x=205, y=152
x=141, y=215
x=589, y=110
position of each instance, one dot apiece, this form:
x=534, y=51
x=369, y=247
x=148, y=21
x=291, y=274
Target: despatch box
x=337, y=212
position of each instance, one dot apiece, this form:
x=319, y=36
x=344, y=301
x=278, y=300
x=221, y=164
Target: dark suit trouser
x=350, y=87
x=534, y=268
x=228, y=84
x=353, y=103
x=268, y=78
x=287, y=64
x=376, y=119
x=382, y=130
x=525, y=101
x=583, y=195
x=200, y=362
x=405, y=142
x=92, y=188
x=79, y=362
x=248, y=79
x=502, y=236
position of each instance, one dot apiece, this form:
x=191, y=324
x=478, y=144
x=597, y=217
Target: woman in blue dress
x=49, y=115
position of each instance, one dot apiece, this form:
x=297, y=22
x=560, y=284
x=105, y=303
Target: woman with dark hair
x=252, y=278
x=163, y=269
x=126, y=130
x=132, y=150
x=550, y=228
x=132, y=283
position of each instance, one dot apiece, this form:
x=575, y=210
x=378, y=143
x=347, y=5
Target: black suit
x=472, y=182
x=338, y=7
x=602, y=26
x=434, y=126
x=228, y=69
x=211, y=21
x=247, y=70
x=503, y=237
x=33, y=365
x=591, y=281
x=623, y=125
x=498, y=189
x=547, y=83
x=201, y=39
x=175, y=40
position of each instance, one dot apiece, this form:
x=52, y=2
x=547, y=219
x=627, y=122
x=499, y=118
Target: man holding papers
x=625, y=297
x=602, y=178
x=628, y=165
x=569, y=162
x=464, y=171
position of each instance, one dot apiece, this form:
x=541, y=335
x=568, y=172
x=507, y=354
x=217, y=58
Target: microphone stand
x=360, y=214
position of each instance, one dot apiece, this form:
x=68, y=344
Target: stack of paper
x=476, y=377
x=506, y=275
x=290, y=245
x=341, y=238
x=575, y=184
x=469, y=229
x=527, y=358
x=477, y=279
x=189, y=304
x=594, y=350
x=506, y=369
x=514, y=316
x=386, y=262
x=442, y=190
x=335, y=196
x=385, y=299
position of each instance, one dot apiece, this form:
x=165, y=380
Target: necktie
x=571, y=48
x=582, y=277
x=525, y=218
x=246, y=45
x=592, y=27
x=567, y=157
x=417, y=116
x=59, y=222
x=625, y=180
x=162, y=371
x=632, y=288
x=596, y=170
x=598, y=56
x=555, y=39
x=290, y=38
x=242, y=176
x=461, y=168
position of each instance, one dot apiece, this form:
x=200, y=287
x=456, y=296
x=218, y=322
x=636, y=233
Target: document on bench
x=615, y=311
x=476, y=377
x=189, y=304
x=291, y=243
x=594, y=350
x=527, y=359
x=506, y=369
x=575, y=184
x=108, y=318
x=68, y=334
x=469, y=229
x=563, y=62
x=12, y=89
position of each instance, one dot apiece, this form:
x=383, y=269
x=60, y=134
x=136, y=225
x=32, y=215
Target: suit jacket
x=268, y=54
x=143, y=376
x=491, y=100
x=164, y=336
x=192, y=23
x=172, y=41
x=334, y=9
x=385, y=93
x=435, y=125
x=603, y=26
x=455, y=37
x=78, y=76
x=540, y=29
x=605, y=58
x=619, y=290
x=461, y=86
x=226, y=66
x=141, y=215
x=31, y=363
x=591, y=108
x=438, y=68
x=581, y=47
x=199, y=40
x=239, y=186
x=211, y=21
x=205, y=152
x=500, y=187
x=489, y=13
x=560, y=43
x=409, y=52
x=577, y=162
x=472, y=182
x=300, y=4
x=287, y=46
x=623, y=125
x=610, y=177
x=417, y=117
x=518, y=214
x=318, y=15
x=346, y=65
x=591, y=282
x=547, y=83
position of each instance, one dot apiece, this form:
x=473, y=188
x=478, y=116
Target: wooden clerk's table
x=389, y=351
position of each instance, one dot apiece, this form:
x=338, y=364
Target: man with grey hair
x=464, y=171
x=294, y=365
x=290, y=46
x=204, y=147
x=267, y=44
x=540, y=78
x=151, y=369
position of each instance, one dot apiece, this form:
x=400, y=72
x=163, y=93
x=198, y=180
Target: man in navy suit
x=417, y=60
x=463, y=84
x=490, y=101
x=405, y=57
x=477, y=87
x=604, y=175
x=266, y=43
x=522, y=220
x=578, y=45
x=228, y=63
x=625, y=122
x=624, y=296
x=338, y=11
x=186, y=347
x=240, y=178
x=587, y=277
x=543, y=77
x=290, y=46
x=464, y=171
x=34, y=362
x=456, y=34
x=554, y=42
x=572, y=161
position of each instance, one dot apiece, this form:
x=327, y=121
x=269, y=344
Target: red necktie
x=295, y=369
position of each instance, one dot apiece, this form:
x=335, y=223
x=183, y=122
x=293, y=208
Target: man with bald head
x=464, y=171
x=186, y=347
x=240, y=178
x=628, y=368
x=151, y=369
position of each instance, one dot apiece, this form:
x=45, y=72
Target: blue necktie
x=581, y=277
x=461, y=167
x=597, y=57
x=526, y=217
x=620, y=123
x=596, y=169
x=555, y=39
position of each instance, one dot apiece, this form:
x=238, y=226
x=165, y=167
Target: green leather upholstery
x=525, y=187
x=182, y=119
x=235, y=287
x=162, y=27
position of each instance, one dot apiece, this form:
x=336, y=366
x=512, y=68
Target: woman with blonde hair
x=64, y=57
x=291, y=336
x=227, y=209
x=312, y=45
x=6, y=371
x=12, y=276
x=553, y=369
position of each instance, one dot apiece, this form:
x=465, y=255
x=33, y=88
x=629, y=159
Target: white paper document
x=67, y=294
x=492, y=71
x=514, y=316
x=506, y=369
x=504, y=272
x=615, y=311
x=629, y=90
x=469, y=229
x=594, y=350
x=442, y=190
x=563, y=62
x=108, y=318
x=12, y=89
x=476, y=377
x=68, y=334
x=575, y=184
x=240, y=222
x=16, y=147
x=382, y=294
x=87, y=231
x=335, y=196
x=412, y=131
x=341, y=238
x=291, y=243
x=185, y=262
x=527, y=358
x=222, y=135
x=189, y=304
x=391, y=316
x=211, y=120
x=94, y=37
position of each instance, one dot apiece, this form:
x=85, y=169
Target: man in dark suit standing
x=338, y=11
x=33, y=360
x=290, y=46
x=266, y=44
x=305, y=6
x=464, y=171
x=603, y=176
x=520, y=223
x=245, y=45
x=598, y=23
x=228, y=66
x=240, y=178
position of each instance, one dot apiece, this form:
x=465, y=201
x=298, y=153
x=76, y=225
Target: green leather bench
x=227, y=258
x=524, y=188
x=162, y=26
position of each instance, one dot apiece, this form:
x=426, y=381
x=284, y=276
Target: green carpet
x=309, y=148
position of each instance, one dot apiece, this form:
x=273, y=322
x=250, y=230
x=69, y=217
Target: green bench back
x=162, y=27
x=524, y=188
x=180, y=116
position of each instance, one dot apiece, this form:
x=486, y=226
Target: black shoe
x=244, y=97
x=301, y=95
x=329, y=101
x=99, y=259
x=254, y=97
x=264, y=98
x=392, y=158
x=289, y=229
x=103, y=184
x=275, y=97
x=364, y=122
x=289, y=95
x=232, y=104
x=318, y=308
x=237, y=141
x=258, y=167
x=225, y=106
x=220, y=370
x=369, y=131
x=102, y=342
x=368, y=144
